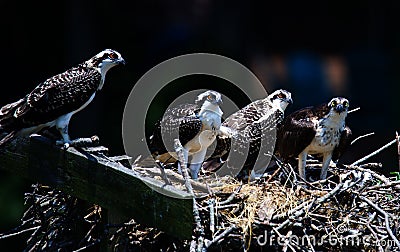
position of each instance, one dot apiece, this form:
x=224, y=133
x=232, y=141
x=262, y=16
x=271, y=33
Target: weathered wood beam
x=102, y=182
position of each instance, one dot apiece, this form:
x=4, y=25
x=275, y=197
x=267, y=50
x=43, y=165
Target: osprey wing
x=236, y=122
x=57, y=96
x=243, y=132
x=296, y=132
x=344, y=142
x=181, y=121
x=247, y=115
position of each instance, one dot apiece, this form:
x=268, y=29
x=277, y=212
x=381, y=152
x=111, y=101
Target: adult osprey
x=246, y=130
x=54, y=101
x=319, y=131
x=196, y=126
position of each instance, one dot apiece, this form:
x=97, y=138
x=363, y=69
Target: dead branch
x=360, y=137
x=3, y=236
x=386, y=215
x=199, y=227
x=220, y=236
x=163, y=174
x=211, y=203
x=374, y=153
x=353, y=110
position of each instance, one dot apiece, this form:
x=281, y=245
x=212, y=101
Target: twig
x=398, y=147
x=272, y=176
x=220, y=236
x=210, y=191
x=199, y=227
x=374, y=174
x=394, y=184
x=88, y=246
x=289, y=244
x=179, y=152
x=374, y=153
x=358, y=138
x=173, y=177
x=300, y=210
x=136, y=161
x=371, y=165
x=231, y=197
x=211, y=203
x=226, y=206
x=386, y=215
x=19, y=232
x=292, y=211
x=163, y=174
x=353, y=110
x=375, y=236
x=287, y=241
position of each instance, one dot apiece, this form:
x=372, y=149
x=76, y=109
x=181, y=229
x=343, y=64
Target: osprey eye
x=334, y=103
x=113, y=56
x=346, y=104
x=209, y=97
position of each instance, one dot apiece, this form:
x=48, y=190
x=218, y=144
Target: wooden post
x=97, y=180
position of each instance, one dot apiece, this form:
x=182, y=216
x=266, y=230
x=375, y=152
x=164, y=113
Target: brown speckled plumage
x=57, y=96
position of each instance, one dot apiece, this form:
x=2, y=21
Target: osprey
x=247, y=129
x=195, y=126
x=319, y=131
x=54, y=101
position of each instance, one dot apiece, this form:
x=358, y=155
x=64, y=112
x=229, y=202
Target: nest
x=354, y=209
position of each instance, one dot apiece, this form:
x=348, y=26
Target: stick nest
x=354, y=209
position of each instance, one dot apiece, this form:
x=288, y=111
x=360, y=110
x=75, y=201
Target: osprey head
x=281, y=98
x=106, y=59
x=210, y=96
x=339, y=105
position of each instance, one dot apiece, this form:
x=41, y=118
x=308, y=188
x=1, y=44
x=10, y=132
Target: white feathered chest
x=327, y=136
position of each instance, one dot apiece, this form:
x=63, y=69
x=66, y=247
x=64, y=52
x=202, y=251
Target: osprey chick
x=247, y=128
x=195, y=125
x=319, y=131
x=54, y=101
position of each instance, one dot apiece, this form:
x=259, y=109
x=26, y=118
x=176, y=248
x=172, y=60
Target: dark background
x=315, y=50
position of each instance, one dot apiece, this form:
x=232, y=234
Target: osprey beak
x=218, y=102
x=121, y=61
x=339, y=108
x=290, y=101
